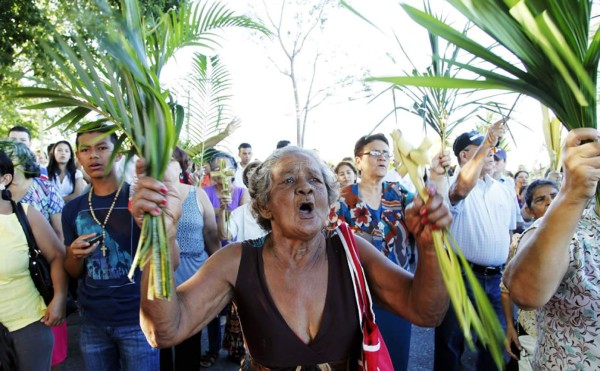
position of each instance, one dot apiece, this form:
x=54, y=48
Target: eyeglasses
x=385, y=154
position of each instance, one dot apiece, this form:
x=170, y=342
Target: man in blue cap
x=484, y=214
x=500, y=169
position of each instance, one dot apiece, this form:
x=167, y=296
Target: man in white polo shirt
x=484, y=215
x=245, y=154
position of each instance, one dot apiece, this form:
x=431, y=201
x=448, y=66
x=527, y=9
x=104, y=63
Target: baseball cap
x=466, y=139
x=500, y=154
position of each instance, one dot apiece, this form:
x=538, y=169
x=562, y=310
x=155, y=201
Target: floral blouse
x=45, y=197
x=526, y=318
x=386, y=225
x=569, y=324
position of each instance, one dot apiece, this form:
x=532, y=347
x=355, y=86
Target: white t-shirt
x=242, y=224
x=238, y=179
x=65, y=187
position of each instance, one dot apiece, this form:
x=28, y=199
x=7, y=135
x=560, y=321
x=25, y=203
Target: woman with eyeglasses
x=374, y=209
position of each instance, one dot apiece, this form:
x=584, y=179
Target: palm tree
x=116, y=78
x=441, y=109
x=553, y=57
x=208, y=116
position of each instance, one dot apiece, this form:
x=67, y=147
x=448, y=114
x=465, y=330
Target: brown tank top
x=270, y=341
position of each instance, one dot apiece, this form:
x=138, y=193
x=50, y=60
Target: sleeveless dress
x=192, y=252
x=232, y=339
x=271, y=343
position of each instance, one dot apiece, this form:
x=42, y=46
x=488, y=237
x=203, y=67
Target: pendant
x=103, y=249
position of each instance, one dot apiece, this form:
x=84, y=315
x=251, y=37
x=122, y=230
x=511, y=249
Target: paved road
x=421, y=351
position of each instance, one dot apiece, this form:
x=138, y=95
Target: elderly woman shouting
x=293, y=287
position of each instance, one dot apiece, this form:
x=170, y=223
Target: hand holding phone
x=92, y=240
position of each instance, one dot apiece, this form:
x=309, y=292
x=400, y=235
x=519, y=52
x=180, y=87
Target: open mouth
x=95, y=167
x=306, y=208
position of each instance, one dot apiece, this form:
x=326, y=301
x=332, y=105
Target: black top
x=271, y=342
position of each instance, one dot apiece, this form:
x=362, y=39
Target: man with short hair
x=282, y=143
x=110, y=333
x=23, y=135
x=484, y=214
x=245, y=154
x=500, y=169
x=20, y=134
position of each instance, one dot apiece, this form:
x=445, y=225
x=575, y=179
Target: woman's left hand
x=423, y=218
x=55, y=313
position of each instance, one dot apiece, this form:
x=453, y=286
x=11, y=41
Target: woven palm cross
x=225, y=175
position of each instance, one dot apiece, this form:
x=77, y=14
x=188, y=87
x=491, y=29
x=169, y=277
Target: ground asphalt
x=421, y=351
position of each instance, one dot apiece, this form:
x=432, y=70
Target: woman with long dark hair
x=63, y=172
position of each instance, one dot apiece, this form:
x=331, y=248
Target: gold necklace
x=103, y=225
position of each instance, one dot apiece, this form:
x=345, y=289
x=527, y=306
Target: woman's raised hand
x=154, y=197
x=581, y=163
x=423, y=218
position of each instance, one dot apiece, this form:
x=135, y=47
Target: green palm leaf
x=556, y=63
x=193, y=24
x=206, y=94
x=556, y=60
x=119, y=83
x=433, y=91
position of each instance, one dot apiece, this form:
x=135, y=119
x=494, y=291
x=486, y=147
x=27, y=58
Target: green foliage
x=28, y=23
x=553, y=60
x=116, y=79
x=206, y=95
x=554, y=57
x=22, y=22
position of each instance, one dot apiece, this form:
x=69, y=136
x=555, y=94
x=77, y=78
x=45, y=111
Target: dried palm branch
x=479, y=317
x=552, y=137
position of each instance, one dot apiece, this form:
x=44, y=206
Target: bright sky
x=263, y=96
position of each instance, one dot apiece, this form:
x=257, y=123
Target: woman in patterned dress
x=374, y=209
x=557, y=269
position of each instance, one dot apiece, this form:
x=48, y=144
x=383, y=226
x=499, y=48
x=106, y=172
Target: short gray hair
x=261, y=181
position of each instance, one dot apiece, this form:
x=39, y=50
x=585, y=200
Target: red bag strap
x=363, y=295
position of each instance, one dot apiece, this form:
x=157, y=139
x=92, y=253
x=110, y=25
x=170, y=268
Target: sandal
x=208, y=360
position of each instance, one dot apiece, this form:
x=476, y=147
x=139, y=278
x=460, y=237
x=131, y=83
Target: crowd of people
x=260, y=261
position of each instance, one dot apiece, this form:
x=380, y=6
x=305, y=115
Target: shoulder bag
x=39, y=269
x=374, y=353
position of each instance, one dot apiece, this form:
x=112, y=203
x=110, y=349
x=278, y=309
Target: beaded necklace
x=103, y=225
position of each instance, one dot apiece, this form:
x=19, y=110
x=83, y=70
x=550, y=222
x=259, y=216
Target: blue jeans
x=116, y=348
x=449, y=340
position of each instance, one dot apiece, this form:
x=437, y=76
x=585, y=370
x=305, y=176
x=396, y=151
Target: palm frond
x=207, y=93
x=433, y=90
x=119, y=83
x=557, y=64
x=193, y=24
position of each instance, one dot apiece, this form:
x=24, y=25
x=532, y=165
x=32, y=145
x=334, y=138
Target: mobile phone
x=92, y=240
